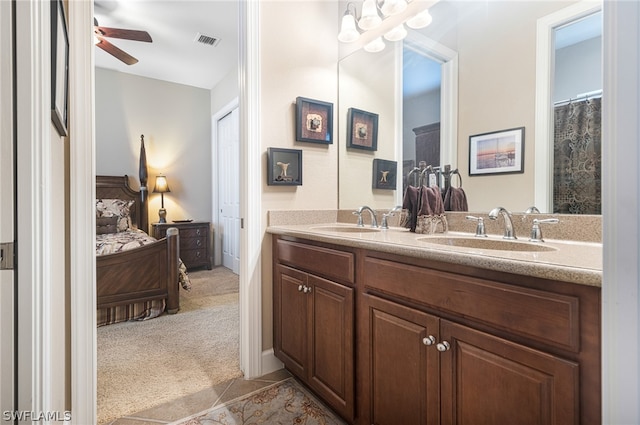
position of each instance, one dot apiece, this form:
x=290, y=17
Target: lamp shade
x=421, y=20
x=348, y=30
x=374, y=46
x=370, y=18
x=396, y=33
x=162, y=186
x=393, y=7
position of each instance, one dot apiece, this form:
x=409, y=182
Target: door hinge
x=7, y=256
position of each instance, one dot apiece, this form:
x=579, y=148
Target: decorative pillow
x=106, y=225
x=115, y=208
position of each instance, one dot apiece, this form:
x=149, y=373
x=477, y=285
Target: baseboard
x=270, y=362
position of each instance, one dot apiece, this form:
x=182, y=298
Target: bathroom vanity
x=390, y=328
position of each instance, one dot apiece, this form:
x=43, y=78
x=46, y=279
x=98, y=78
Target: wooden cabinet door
x=291, y=319
x=401, y=370
x=331, y=339
x=489, y=380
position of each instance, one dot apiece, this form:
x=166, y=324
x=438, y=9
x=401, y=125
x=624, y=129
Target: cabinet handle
x=430, y=340
x=443, y=346
x=198, y=242
x=307, y=289
x=198, y=232
x=300, y=287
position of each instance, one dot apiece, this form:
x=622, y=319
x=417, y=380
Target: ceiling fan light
x=393, y=7
x=396, y=33
x=370, y=18
x=374, y=46
x=421, y=20
x=348, y=31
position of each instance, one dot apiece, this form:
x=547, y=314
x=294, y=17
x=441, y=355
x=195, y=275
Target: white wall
x=225, y=91
x=297, y=59
x=176, y=122
x=578, y=69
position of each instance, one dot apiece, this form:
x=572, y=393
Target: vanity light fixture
x=421, y=20
x=370, y=18
x=374, y=46
x=393, y=7
x=348, y=31
x=396, y=33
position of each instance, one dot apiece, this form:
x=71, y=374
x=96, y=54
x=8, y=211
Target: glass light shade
x=421, y=20
x=374, y=46
x=396, y=33
x=162, y=186
x=348, y=30
x=370, y=18
x=393, y=7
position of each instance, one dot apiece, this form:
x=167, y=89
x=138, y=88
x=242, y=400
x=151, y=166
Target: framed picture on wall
x=284, y=167
x=362, y=129
x=498, y=152
x=314, y=121
x=384, y=174
x=59, y=67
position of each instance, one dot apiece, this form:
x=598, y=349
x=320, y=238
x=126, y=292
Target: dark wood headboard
x=117, y=187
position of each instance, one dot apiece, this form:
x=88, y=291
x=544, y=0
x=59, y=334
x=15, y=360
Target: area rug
x=286, y=402
x=145, y=364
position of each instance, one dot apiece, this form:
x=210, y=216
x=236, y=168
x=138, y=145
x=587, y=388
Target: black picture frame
x=59, y=68
x=497, y=152
x=385, y=174
x=362, y=129
x=314, y=121
x=280, y=175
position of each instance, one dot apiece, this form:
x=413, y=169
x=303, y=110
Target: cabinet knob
x=198, y=242
x=198, y=232
x=300, y=287
x=443, y=346
x=307, y=289
x=430, y=340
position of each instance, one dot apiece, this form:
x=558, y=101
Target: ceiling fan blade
x=125, y=34
x=118, y=53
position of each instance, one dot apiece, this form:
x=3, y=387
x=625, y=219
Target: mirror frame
x=545, y=47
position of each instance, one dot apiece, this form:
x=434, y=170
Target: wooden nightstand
x=194, y=242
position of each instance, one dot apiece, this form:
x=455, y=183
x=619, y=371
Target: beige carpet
x=145, y=364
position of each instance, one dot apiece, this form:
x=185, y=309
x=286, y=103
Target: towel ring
x=459, y=178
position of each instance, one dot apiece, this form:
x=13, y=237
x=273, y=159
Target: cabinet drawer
x=549, y=318
x=331, y=263
x=193, y=243
x=196, y=232
x=193, y=257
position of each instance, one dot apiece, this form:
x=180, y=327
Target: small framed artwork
x=314, y=121
x=362, y=129
x=498, y=152
x=384, y=174
x=59, y=67
x=284, y=167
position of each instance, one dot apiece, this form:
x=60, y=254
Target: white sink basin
x=487, y=243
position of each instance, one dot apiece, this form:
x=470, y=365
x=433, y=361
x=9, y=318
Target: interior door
x=229, y=189
x=7, y=159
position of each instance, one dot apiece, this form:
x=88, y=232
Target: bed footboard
x=143, y=274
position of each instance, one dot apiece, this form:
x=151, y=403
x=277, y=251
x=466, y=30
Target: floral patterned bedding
x=109, y=243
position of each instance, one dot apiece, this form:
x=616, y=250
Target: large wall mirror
x=478, y=72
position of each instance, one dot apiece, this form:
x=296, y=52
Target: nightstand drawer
x=194, y=242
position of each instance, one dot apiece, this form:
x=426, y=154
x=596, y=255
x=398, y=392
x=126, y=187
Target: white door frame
x=215, y=193
x=7, y=152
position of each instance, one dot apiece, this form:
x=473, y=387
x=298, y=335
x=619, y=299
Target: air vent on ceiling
x=206, y=39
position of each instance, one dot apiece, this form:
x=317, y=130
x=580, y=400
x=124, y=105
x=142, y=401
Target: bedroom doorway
x=227, y=145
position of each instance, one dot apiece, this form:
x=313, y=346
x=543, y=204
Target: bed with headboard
x=138, y=277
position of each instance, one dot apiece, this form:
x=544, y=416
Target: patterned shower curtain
x=577, y=158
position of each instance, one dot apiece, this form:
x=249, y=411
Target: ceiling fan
x=101, y=32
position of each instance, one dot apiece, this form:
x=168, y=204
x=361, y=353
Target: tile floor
x=201, y=401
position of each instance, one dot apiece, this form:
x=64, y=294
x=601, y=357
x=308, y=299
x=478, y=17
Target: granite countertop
x=569, y=261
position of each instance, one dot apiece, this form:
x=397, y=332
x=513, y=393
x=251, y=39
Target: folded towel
x=410, y=204
x=430, y=201
x=455, y=200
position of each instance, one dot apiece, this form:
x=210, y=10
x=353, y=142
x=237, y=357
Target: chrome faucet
x=391, y=212
x=358, y=212
x=509, y=232
x=532, y=210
